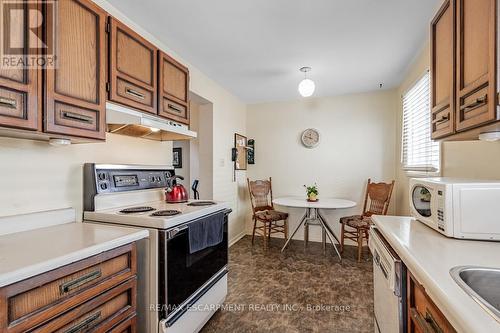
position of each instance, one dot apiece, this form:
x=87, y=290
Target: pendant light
x=306, y=86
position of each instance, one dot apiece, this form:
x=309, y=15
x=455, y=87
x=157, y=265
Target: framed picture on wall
x=177, y=157
x=240, y=143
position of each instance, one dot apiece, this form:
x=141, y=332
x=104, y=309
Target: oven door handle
x=173, y=232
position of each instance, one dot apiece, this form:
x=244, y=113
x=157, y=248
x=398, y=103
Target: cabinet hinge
x=108, y=86
x=108, y=27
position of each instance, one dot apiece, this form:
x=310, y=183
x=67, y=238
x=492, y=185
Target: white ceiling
x=254, y=48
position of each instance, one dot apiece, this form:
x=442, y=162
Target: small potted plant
x=312, y=192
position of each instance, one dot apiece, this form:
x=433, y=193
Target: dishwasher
x=389, y=286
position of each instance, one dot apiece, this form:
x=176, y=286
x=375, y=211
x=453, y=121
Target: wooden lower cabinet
x=127, y=326
x=423, y=314
x=92, y=295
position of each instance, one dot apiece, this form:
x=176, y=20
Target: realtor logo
x=22, y=45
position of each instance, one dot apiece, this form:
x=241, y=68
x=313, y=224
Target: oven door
x=185, y=277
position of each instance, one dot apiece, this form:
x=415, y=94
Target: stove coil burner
x=166, y=213
x=133, y=210
x=201, y=203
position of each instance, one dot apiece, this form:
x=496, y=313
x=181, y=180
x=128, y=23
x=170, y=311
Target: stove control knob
x=104, y=186
x=101, y=176
x=158, y=179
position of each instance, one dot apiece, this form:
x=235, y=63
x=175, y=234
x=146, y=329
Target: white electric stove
x=178, y=291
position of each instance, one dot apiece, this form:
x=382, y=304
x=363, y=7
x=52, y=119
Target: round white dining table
x=312, y=216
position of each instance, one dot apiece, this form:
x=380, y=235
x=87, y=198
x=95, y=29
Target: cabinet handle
x=134, y=93
x=84, y=324
x=480, y=101
x=77, y=117
x=175, y=108
x=8, y=102
x=443, y=119
x=78, y=282
x=427, y=324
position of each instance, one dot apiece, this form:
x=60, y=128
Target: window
x=419, y=152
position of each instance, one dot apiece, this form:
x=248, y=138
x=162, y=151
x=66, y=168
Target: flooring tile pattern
x=296, y=291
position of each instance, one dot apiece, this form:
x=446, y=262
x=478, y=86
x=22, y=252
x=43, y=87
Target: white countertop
x=321, y=203
x=430, y=256
x=29, y=253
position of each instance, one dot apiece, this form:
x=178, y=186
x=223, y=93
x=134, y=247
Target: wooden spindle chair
x=265, y=218
x=355, y=228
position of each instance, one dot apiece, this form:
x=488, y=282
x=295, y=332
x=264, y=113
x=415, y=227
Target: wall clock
x=310, y=138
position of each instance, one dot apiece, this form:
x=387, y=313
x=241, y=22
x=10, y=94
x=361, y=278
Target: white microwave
x=458, y=208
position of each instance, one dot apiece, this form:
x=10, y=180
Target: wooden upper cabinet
x=476, y=64
x=133, y=68
x=173, y=89
x=442, y=71
x=20, y=98
x=76, y=88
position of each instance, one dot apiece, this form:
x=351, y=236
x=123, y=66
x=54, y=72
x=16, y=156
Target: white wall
x=36, y=176
x=466, y=159
x=52, y=179
x=357, y=142
x=194, y=144
x=228, y=116
x=185, y=171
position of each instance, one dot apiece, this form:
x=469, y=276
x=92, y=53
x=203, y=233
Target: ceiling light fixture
x=154, y=129
x=306, y=86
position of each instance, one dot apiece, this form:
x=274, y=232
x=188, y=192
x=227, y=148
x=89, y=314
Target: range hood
x=125, y=121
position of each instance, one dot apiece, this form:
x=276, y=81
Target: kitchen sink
x=482, y=284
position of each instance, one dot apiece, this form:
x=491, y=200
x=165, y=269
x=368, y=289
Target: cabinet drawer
x=127, y=326
x=134, y=93
x=423, y=315
x=75, y=117
x=174, y=111
x=12, y=104
x=473, y=109
x=33, y=301
x=98, y=315
x=442, y=123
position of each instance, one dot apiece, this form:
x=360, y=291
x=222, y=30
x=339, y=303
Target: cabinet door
x=133, y=68
x=423, y=315
x=442, y=71
x=476, y=53
x=20, y=88
x=174, y=89
x=76, y=88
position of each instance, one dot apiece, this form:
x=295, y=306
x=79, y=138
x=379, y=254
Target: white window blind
x=419, y=152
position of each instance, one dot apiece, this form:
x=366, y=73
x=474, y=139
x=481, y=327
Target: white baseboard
x=237, y=238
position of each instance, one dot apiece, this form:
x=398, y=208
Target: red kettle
x=175, y=193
